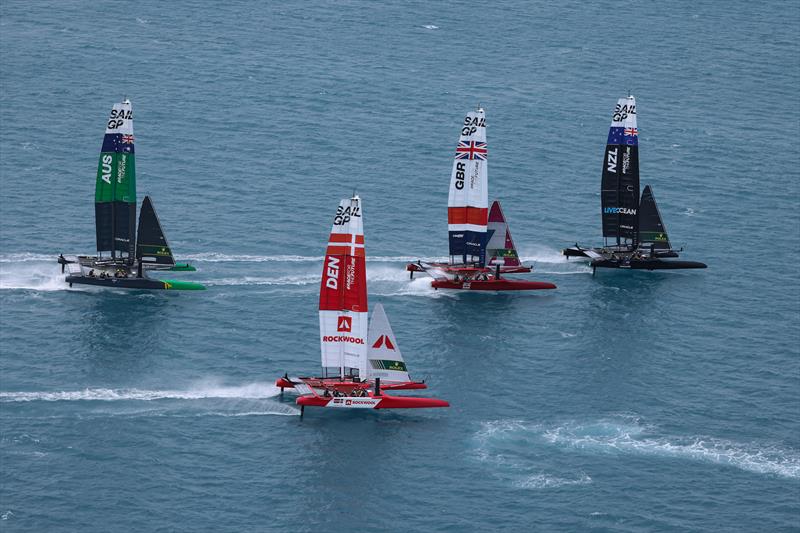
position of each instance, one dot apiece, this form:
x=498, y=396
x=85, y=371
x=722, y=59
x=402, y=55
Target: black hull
x=581, y=252
x=575, y=252
x=647, y=264
x=119, y=283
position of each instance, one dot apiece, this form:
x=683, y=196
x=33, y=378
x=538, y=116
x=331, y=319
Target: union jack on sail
x=472, y=150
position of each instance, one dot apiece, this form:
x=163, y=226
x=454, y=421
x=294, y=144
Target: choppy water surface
x=628, y=401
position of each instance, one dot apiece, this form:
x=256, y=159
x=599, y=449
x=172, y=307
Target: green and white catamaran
x=124, y=255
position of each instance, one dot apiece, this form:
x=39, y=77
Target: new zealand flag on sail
x=629, y=136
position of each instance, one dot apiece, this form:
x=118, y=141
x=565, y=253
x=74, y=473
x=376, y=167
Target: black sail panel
x=652, y=233
x=609, y=191
x=619, y=194
x=629, y=194
x=152, y=246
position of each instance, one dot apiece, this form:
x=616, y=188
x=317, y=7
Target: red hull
x=493, y=285
x=372, y=402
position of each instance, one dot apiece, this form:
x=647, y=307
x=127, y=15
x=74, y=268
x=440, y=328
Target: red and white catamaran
x=360, y=359
x=475, y=231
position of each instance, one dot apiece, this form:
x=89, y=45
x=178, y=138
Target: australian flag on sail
x=118, y=143
x=472, y=150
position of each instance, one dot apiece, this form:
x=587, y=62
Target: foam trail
x=26, y=257
x=554, y=262
x=542, y=254
x=255, y=280
x=627, y=436
x=215, y=257
x=32, y=277
x=419, y=286
x=614, y=437
x=499, y=444
x=252, y=391
x=375, y=273
x=544, y=481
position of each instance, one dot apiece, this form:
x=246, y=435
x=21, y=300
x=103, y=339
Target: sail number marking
x=460, y=168
x=611, y=165
x=332, y=273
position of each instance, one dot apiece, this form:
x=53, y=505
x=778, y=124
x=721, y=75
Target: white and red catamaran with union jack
x=476, y=232
x=360, y=359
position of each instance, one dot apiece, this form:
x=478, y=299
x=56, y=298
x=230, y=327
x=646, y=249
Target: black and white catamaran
x=129, y=254
x=634, y=233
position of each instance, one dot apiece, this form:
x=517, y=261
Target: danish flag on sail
x=468, y=202
x=343, y=295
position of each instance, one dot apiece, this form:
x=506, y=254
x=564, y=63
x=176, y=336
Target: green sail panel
x=115, y=190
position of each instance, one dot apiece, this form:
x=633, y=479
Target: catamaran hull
x=284, y=383
x=582, y=252
x=492, y=285
x=373, y=402
x=577, y=252
x=414, y=267
x=136, y=283
x=647, y=264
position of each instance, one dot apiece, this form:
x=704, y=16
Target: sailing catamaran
x=130, y=253
x=634, y=233
x=472, y=234
x=360, y=360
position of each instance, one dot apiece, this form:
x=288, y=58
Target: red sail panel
x=343, y=294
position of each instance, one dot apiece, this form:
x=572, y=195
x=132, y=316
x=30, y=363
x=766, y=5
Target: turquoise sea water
x=628, y=401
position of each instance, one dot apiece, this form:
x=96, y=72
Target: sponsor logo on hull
x=354, y=403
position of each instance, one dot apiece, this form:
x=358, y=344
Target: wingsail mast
x=619, y=192
x=343, y=295
x=468, y=201
x=115, y=190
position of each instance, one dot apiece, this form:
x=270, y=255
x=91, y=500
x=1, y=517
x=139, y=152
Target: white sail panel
x=625, y=117
x=121, y=118
x=343, y=323
x=385, y=360
x=468, y=200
